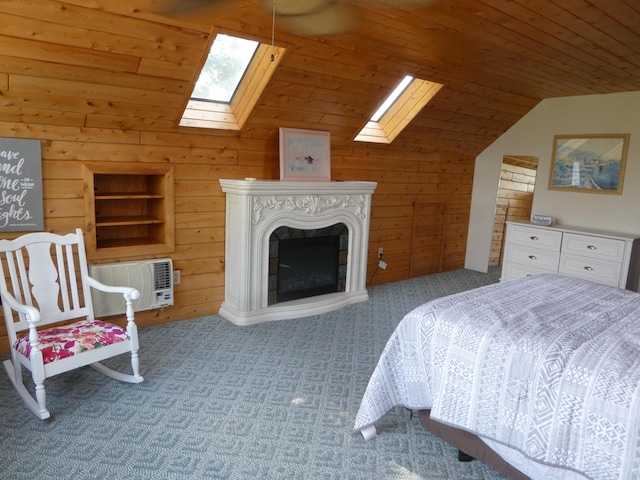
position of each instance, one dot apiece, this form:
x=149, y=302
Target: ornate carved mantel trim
x=309, y=204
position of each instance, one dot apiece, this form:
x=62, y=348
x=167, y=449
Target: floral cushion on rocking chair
x=68, y=340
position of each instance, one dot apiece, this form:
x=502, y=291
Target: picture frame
x=305, y=155
x=589, y=163
x=22, y=208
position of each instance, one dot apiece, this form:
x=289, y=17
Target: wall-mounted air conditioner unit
x=152, y=278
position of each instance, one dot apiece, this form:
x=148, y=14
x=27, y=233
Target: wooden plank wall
x=200, y=205
x=429, y=224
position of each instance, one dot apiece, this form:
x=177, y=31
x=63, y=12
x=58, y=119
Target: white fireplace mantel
x=255, y=209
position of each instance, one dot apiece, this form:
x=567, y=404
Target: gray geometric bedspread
x=549, y=365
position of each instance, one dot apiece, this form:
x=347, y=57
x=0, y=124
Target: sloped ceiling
x=116, y=64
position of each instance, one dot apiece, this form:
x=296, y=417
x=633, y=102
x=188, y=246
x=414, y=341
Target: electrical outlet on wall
x=380, y=252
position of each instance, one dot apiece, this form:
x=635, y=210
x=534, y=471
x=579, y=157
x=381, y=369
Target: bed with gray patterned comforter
x=548, y=365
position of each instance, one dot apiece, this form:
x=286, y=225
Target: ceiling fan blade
x=402, y=3
x=176, y=7
x=296, y=7
x=333, y=19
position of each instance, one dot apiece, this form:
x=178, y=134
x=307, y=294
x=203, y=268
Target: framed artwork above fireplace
x=305, y=155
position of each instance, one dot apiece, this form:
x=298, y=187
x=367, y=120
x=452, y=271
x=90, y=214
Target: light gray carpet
x=272, y=401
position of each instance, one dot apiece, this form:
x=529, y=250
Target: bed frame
x=470, y=445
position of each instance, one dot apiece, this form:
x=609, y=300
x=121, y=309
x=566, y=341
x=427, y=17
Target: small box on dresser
x=605, y=257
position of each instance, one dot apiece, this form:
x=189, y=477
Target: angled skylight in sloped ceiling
x=398, y=109
x=231, y=80
x=226, y=63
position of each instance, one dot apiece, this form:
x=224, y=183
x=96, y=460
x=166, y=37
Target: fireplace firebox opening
x=306, y=263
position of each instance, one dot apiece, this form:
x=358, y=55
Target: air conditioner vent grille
x=152, y=278
x=162, y=275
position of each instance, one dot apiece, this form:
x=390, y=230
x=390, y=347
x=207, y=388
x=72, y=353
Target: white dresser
x=603, y=257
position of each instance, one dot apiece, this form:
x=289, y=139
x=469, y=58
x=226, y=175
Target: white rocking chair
x=44, y=290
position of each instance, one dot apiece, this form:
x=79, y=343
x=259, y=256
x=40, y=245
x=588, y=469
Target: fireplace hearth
x=259, y=212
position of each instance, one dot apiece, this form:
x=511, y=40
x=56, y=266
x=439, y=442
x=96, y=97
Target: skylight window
x=233, y=76
x=225, y=66
x=406, y=81
x=399, y=108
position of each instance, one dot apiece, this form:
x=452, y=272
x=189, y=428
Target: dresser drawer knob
x=588, y=269
x=533, y=257
x=533, y=237
x=591, y=247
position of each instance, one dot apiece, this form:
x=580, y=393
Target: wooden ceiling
x=116, y=64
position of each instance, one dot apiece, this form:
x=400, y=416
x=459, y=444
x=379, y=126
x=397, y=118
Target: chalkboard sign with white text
x=21, y=206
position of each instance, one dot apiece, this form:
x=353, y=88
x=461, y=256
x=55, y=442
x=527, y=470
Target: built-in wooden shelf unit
x=128, y=209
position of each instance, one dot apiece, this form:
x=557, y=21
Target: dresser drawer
x=534, y=237
x=541, y=260
x=512, y=270
x=609, y=249
x=592, y=269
